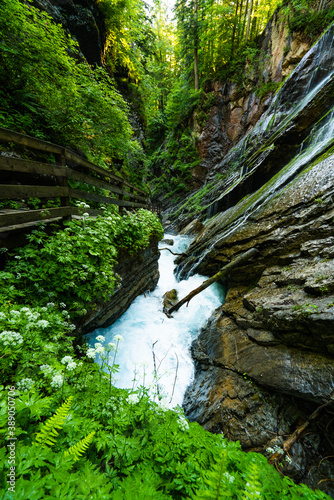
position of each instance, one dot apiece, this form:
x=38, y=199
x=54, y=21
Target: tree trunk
x=249, y=19
x=234, y=27
x=196, y=46
x=221, y=274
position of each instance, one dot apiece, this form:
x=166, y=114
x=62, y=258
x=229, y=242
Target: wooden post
x=121, y=197
x=63, y=181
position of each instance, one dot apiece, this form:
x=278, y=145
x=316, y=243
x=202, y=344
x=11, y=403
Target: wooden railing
x=119, y=191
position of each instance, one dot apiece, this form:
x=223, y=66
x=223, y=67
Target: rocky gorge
x=265, y=361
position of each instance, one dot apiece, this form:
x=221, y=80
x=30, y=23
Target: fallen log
x=174, y=253
x=222, y=273
x=278, y=455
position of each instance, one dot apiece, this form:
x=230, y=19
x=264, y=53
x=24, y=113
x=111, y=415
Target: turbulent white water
x=145, y=324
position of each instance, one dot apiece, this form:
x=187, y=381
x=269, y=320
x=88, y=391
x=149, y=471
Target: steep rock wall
x=265, y=361
x=82, y=20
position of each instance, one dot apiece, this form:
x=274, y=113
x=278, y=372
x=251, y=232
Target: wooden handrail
x=7, y=135
x=55, y=177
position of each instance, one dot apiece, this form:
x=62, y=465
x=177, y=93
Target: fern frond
x=253, y=486
x=79, y=449
x=217, y=489
x=48, y=433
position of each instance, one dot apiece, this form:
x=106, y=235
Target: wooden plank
x=70, y=155
x=6, y=231
x=7, y=135
x=86, y=163
x=16, y=217
x=14, y=192
x=30, y=167
x=35, y=167
x=82, y=195
x=78, y=176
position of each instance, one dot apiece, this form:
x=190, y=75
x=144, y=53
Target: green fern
x=253, y=485
x=216, y=482
x=49, y=433
x=79, y=449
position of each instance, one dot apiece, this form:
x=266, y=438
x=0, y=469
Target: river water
x=145, y=324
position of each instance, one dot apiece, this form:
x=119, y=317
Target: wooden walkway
x=22, y=179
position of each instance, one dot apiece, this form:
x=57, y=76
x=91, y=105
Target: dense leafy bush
x=75, y=265
x=46, y=90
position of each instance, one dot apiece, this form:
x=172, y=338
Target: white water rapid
x=145, y=324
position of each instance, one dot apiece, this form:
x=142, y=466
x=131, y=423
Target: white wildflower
x=118, y=338
x=57, y=381
x=62, y=305
x=111, y=345
x=46, y=369
x=14, y=312
x=85, y=214
x=25, y=309
x=133, y=399
x=42, y=323
x=50, y=304
x=11, y=338
x=2, y=315
x=99, y=348
x=229, y=477
x=91, y=353
x=25, y=384
x=44, y=309
x=72, y=365
x=72, y=327
x=100, y=338
x=183, y=424
x=66, y=359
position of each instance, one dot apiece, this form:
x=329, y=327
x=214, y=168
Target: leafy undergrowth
x=77, y=436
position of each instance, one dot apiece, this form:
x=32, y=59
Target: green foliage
x=75, y=265
x=49, y=433
x=115, y=443
x=47, y=93
x=181, y=103
x=79, y=448
x=310, y=23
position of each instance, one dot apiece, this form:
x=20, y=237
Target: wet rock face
x=138, y=274
x=265, y=361
x=82, y=20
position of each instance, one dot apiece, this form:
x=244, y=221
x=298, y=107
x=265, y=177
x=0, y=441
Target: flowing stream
x=144, y=324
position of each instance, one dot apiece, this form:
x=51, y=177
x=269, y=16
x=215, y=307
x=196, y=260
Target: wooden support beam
x=30, y=167
x=15, y=192
x=7, y=135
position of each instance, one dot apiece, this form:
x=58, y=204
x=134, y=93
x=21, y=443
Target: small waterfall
x=145, y=324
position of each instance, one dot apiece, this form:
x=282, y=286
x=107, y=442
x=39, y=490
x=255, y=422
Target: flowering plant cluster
x=75, y=266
